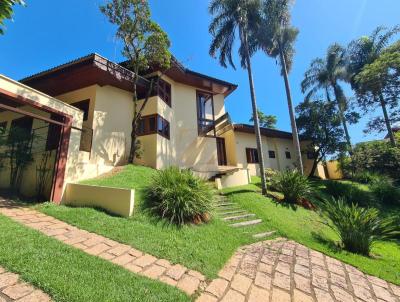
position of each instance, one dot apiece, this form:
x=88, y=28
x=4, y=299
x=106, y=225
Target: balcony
x=214, y=128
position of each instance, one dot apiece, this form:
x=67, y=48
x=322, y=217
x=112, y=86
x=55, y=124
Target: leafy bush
x=385, y=192
x=292, y=185
x=358, y=228
x=179, y=196
x=366, y=177
x=376, y=157
x=349, y=192
x=269, y=173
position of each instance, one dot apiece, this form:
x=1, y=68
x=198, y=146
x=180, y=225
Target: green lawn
x=205, y=248
x=304, y=226
x=68, y=274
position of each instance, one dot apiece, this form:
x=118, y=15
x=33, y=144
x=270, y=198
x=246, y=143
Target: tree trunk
x=317, y=160
x=387, y=121
x=132, y=150
x=255, y=113
x=295, y=133
x=314, y=168
x=343, y=118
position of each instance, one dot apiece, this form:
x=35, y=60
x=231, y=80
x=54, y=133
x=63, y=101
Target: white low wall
x=114, y=200
x=234, y=179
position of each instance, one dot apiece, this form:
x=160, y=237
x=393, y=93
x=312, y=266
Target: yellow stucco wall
x=334, y=171
x=280, y=146
x=230, y=146
x=185, y=148
x=114, y=200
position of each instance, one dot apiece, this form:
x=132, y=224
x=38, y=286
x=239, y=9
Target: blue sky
x=48, y=33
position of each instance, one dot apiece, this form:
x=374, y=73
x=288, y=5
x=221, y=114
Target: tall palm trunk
x=338, y=97
x=295, y=133
x=255, y=113
x=387, y=121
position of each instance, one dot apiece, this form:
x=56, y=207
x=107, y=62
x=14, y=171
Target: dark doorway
x=221, y=151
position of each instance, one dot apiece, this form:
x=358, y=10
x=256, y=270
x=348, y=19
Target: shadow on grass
x=329, y=243
x=241, y=191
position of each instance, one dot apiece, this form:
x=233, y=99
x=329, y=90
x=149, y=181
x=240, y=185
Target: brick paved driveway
x=282, y=270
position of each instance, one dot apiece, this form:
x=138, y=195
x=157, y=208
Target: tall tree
x=266, y=120
x=228, y=17
x=319, y=124
x=145, y=45
x=325, y=74
x=368, y=75
x=276, y=37
x=6, y=11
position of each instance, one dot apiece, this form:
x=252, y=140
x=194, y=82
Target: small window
x=252, y=155
x=271, y=154
x=163, y=127
x=288, y=155
x=154, y=124
x=164, y=91
x=310, y=155
x=84, y=106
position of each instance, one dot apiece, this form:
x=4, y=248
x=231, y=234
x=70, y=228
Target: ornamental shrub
x=293, y=185
x=358, y=228
x=179, y=196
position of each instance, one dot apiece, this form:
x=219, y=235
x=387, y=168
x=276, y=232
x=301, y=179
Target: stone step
x=225, y=204
x=246, y=223
x=263, y=235
x=226, y=210
x=232, y=212
x=238, y=217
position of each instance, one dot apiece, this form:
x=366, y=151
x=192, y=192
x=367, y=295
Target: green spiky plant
x=293, y=185
x=179, y=196
x=358, y=228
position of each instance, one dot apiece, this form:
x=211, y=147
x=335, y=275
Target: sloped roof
x=268, y=132
x=96, y=69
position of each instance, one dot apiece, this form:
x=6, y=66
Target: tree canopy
x=381, y=76
x=266, y=120
x=145, y=45
x=6, y=11
x=319, y=124
x=373, y=67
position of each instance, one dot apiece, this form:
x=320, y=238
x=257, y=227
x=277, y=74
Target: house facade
x=184, y=124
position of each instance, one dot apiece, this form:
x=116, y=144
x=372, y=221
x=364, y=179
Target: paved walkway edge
x=14, y=289
x=120, y=254
x=277, y=270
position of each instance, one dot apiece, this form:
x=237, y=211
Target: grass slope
x=205, y=248
x=304, y=226
x=68, y=274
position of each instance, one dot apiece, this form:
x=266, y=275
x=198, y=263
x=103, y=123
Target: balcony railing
x=206, y=127
x=214, y=128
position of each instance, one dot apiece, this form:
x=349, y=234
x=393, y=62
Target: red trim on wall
x=62, y=156
x=61, y=162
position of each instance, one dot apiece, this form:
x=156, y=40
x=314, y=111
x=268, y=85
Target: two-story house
x=184, y=124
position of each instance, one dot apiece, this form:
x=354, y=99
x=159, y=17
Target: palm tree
x=230, y=16
x=325, y=74
x=365, y=51
x=276, y=38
